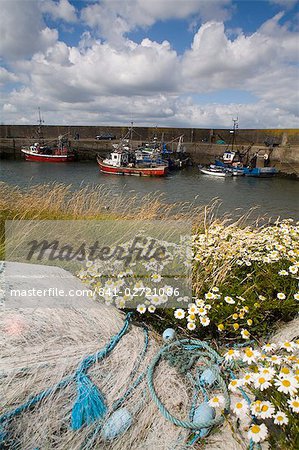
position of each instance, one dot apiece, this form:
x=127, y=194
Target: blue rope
x=188, y=345
x=90, y=403
x=118, y=403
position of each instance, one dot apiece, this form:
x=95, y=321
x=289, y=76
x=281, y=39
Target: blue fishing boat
x=263, y=172
x=238, y=162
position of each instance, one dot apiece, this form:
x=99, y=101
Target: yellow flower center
x=279, y=418
x=239, y=405
x=286, y=383
x=234, y=382
x=262, y=380
x=215, y=399
x=287, y=344
x=295, y=404
x=255, y=429
x=285, y=370
x=249, y=353
x=231, y=352
x=265, y=408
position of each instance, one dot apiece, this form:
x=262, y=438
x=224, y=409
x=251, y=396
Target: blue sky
x=194, y=63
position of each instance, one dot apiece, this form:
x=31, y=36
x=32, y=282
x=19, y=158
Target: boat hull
x=215, y=173
x=157, y=171
x=260, y=172
x=38, y=157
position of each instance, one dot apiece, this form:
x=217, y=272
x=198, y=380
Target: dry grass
x=58, y=201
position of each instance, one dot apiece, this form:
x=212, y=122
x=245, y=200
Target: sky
x=177, y=63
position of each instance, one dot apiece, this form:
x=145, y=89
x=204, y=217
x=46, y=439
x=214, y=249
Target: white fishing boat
x=215, y=172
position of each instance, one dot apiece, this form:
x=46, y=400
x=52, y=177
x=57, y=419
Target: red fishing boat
x=124, y=163
x=40, y=153
x=61, y=152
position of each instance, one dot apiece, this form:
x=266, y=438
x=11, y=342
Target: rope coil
x=189, y=345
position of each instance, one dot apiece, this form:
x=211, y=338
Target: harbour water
x=274, y=197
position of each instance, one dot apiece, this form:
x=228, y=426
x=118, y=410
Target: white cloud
x=22, y=30
x=263, y=63
x=115, y=18
x=115, y=80
x=61, y=9
x=287, y=4
x=7, y=77
x=68, y=73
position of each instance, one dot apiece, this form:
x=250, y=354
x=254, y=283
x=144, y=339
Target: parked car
x=106, y=137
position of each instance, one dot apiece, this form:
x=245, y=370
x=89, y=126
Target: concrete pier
x=200, y=143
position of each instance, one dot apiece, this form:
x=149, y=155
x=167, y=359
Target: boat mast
x=235, y=127
x=40, y=126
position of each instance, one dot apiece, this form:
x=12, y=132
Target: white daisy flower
x=141, y=309
x=204, y=321
x=191, y=326
x=257, y=433
x=285, y=372
x=248, y=378
x=156, y=277
x=231, y=354
x=234, y=385
x=287, y=385
x=241, y=408
x=155, y=299
x=293, y=270
x=245, y=334
x=268, y=372
x=209, y=296
x=218, y=400
x=193, y=309
x=250, y=355
x=288, y=346
x=275, y=359
x=294, y=404
x=201, y=311
x=191, y=318
x=283, y=273
x=263, y=410
x=280, y=418
x=296, y=296
x=199, y=302
x=151, y=309
x=261, y=382
x=281, y=296
x=215, y=289
x=120, y=302
x=229, y=300
x=179, y=313
x=268, y=347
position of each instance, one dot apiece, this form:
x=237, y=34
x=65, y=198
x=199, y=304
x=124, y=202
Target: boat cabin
x=117, y=159
x=228, y=157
